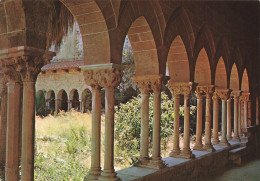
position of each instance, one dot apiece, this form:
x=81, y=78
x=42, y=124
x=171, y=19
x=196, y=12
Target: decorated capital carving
x=235, y=94
x=3, y=81
x=223, y=94
x=207, y=90
x=150, y=82
x=215, y=96
x=182, y=88
x=107, y=78
x=245, y=96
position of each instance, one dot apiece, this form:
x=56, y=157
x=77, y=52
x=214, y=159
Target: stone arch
x=223, y=52
x=63, y=98
x=177, y=61
x=205, y=39
x=245, y=82
x=179, y=25
x=86, y=100
x=93, y=28
x=144, y=48
x=74, y=99
x=202, y=69
x=221, y=74
x=234, y=78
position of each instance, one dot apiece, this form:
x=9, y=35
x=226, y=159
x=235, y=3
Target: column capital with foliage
x=182, y=88
x=223, y=94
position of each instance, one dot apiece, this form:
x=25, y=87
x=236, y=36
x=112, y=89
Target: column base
x=229, y=138
x=109, y=175
x=236, y=138
x=198, y=146
x=93, y=174
x=187, y=154
x=155, y=164
x=209, y=148
x=224, y=143
x=175, y=152
x=244, y=138
x=215, y=141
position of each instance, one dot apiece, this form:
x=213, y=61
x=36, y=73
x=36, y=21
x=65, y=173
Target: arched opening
x=74, y=99
x=221, y=75
x=245, y=83
x=144, y=48
x=40, y=103
x=202, y=69
x=234, y=78
x=177, y=61
x=50, y=100
x=86, y=101
x=63, y=99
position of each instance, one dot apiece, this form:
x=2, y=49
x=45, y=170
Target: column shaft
x=236, y=137
x=215, y=139
x=229, y=128
x=239, y=118
x=144, y=127
x=28, y=131
x=156, y=126
x=12, y=135
x=186, y=152
x=3, y=126
x=109, y=171
x=223, y=140
x=208, y=145
x=198, y=144
x=176, y=147
x=95, y=169
x=245, y=115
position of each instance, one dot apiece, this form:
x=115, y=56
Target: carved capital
x=215, y=96
x=3, y=81
x=245, y=96
x=150, y=82
x=223, y=94
x=24, y=63
x=107, y=78
x=205, y=90
x=235, y=94
x=182, y=88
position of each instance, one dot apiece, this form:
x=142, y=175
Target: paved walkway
x=247, y=172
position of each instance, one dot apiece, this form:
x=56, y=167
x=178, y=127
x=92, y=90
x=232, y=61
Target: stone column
x=110, y=78
x=215, y=139
x=229, y=128
x=145, y=86
x=240, y=117
x=179, y=88
x=245, y=98
x=80, y=106
x=208, y=145
x=224, y=95
x=3, y=121
x=57, y=105
x=198, y=144
x=156, y=144
x=235, y=95
x=69, y=105
x=92, y=80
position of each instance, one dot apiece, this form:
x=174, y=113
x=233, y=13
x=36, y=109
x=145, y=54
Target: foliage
x=40, y=105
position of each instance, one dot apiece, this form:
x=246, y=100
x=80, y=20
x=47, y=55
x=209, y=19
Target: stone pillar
x=69, y=105
x=3, y=121
x=240, y=117
x=198, y=144
x=57, y=105
x=144, y=85
x=235, y=95
x=224, y=95
x=215, y=139
x=245, y=97
x=179, y=88
x=156, y=161
x=80, y=106
x=208, y=145
x=229, y=128
x=110, y=79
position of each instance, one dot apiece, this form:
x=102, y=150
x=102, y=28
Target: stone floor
x=247, y=172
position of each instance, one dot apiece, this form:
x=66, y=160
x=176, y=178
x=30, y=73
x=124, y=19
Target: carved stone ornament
x=205, y=90
x=3, y=81
x=235, y=94
x=182, y=88
x=150, y=82
x=107, y=78
x=23, y=63
x=215, y=96
x=223, y=94
x=245, y=96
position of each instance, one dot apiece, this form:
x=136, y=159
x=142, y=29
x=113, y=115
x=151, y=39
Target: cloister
x=64, y=85
x=210, y=48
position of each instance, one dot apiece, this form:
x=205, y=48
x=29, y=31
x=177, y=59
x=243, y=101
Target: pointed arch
x=63, y=98
x=202, y=69
x=234, y=78
x=221, y=74
x=178, y=63
x=224, y=52
x=144, y=48
x=245, y=82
